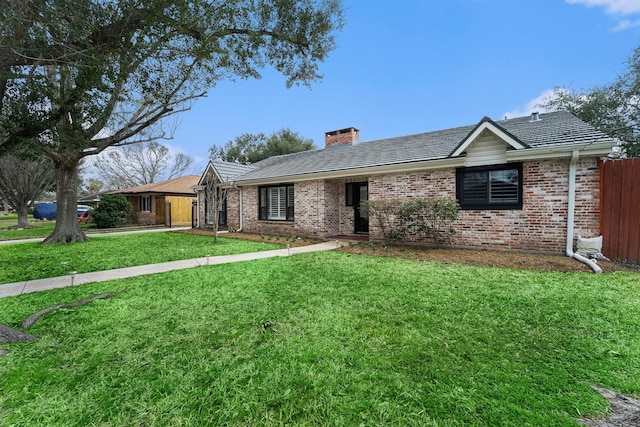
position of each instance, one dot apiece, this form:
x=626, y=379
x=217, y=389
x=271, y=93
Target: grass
x=350, y=340
x=39, y=230
x=29, y=261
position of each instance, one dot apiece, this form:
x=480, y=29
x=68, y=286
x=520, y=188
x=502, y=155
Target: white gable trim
x=508, y=139
x=209, y=167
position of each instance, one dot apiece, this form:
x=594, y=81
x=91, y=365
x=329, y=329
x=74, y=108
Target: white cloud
x=626, y=24
x=623, y=7
x=529, y=107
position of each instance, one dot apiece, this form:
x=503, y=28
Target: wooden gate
x=620, y=210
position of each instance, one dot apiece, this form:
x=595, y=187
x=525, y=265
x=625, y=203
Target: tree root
x=32, y=319
x=65, y=238
x=625, y=411
x=10, y=335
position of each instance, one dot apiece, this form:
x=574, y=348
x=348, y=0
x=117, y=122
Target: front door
x=360, y=194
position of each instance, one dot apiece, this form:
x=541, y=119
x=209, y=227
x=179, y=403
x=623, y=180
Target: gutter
x=571, y=207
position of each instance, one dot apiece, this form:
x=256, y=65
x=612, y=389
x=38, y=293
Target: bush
x=145, y=218
x=385, y=213
x=429, y=219
x=112, y=211
x=426, y=219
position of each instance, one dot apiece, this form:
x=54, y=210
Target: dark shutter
x=262, y=204
x=290, y=197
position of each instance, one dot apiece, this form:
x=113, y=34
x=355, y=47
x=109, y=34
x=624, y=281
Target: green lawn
x=29, y=261
x=40, y=230
x=37, y=230
x=353, y=340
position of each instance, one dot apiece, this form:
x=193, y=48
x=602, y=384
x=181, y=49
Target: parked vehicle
x=82, y=209
x=45, y=211
x=48, y=210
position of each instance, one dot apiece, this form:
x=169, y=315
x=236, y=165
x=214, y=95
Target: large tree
x=79, y=76
x=612, y=108
x=22, y=181
x=250, y=148
x=140, y=164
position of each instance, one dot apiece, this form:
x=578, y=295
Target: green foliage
x=612, y=108
x=424, y=219
x=384, y=212
x=429, y=219
x=353, y=340
x=248, y=148
x=113, y=210
x=70, y=69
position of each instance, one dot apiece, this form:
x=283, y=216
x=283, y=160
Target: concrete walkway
x=19, y=288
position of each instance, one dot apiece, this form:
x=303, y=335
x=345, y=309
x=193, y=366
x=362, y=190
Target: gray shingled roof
x=230, y=171
x=552, y=129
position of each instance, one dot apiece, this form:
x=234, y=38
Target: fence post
x=167, y=216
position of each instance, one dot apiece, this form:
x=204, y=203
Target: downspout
x=198, y=196
x=571, y=207
x=239, y=230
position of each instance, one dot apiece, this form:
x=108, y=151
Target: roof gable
x=224, y=171
x=486, y=124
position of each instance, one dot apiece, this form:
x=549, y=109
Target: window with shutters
x=276, y=203
x=493, y=187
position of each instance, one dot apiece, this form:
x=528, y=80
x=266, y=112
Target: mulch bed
x=486, y=258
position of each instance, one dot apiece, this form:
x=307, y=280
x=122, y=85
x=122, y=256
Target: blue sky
x=412, y=66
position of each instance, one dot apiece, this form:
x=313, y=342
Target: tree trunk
x=67, y=228
x=23, y=217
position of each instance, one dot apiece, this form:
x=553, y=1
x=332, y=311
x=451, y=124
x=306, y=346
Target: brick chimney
x=341, y=137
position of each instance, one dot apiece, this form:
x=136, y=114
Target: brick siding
x=540, y=226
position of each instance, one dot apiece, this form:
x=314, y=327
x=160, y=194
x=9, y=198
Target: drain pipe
x=571, y=207
x=239, y=230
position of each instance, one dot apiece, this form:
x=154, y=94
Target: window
x=276, y=203
x=356, y=192
x=145, y=203
x=493, y=187
x=222, y=214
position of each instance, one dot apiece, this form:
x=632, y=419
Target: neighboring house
x=525, y=184
x=167, y=202
x=92, y=200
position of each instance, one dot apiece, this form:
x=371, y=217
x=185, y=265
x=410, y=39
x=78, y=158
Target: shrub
x=146, y=218
x=429, y=219
x=384, y=212
x=112, y=211
x=426, y=219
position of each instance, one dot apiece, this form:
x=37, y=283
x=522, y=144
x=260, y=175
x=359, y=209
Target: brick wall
x=540, y=226
x=316, y=211
x=233, y=214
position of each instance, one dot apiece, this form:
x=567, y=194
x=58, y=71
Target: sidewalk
x=19, y=288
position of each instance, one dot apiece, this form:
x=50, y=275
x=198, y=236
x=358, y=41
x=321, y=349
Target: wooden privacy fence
x=620, y=210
